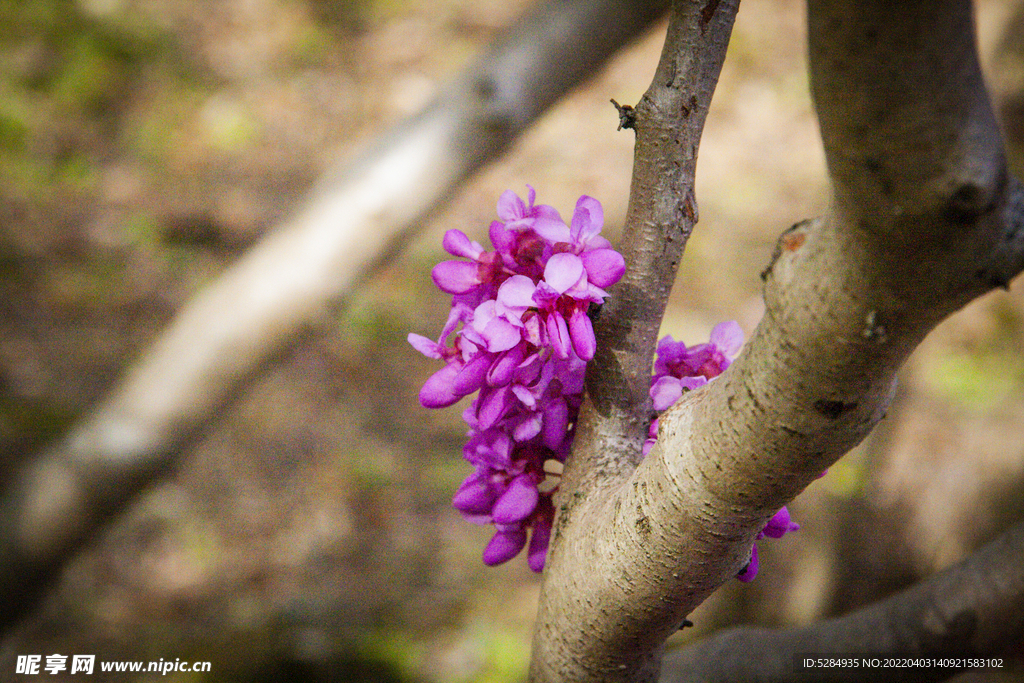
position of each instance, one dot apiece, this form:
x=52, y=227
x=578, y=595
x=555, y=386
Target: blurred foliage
x=63, y=72
x=984, y=371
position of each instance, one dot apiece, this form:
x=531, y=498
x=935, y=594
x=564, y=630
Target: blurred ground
x=144, y=144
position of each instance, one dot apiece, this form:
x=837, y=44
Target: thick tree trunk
x=924, y=218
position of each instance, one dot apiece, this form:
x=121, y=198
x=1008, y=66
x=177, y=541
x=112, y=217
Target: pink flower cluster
x=519, y=335
x=679, y=369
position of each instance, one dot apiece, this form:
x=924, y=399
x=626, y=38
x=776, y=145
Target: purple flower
x=519, y=336
x=749, y=571
x=604, y=265
x=667, y=390
x=778, y=526
x=679, y=369
x=542, y=219
x=505, y=544
x=476, y=497
x=541, y=535
x=462, y=277
x=708, y=360
x=517, y=502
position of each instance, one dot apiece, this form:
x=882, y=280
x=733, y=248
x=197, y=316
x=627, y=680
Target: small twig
x=627, y=115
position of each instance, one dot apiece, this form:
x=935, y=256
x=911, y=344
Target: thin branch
x=972, y=609
x=232, y=330
x=662, y=211
x=584, y=632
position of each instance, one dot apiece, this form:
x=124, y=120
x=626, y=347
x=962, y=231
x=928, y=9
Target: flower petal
x=438, y=390
x=728, y=337
x=517, y=291
x=749, y=572
x=518, y=502
x=456, y=243
x=550, y=227
x=587, y=220
x=539, y=540
x=556, y=423
x=604, y=266
x=493, y=404
x=665, y=392
x=528, y=428
x=503, y=369
x=582, y=332
x=456, y=277
x=491, y=448
x=563, y=271
x=558, y=334
x=504, y=546
x=501, y=335
x=780, y=524
x=475, y=496
x=428, y=347
x=472, y=375
x=510, y=206
x=502, y=238
x=691, y=383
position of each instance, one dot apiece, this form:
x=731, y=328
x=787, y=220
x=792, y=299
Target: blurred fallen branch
x=231, y=330
x=972, y=609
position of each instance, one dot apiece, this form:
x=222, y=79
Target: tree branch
x=232, y=330
x=584, y=632
x=969, y=610
x=922, y=221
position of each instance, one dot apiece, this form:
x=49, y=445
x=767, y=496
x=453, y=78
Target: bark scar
x=789, y=241
x=707, y=14
x=833, y=409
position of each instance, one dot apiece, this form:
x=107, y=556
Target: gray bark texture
x=924, y=218
x=971, y=610
x=286, y=285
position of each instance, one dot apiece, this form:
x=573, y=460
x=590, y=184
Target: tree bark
x=599, y=618
x=228, y=333
x=971, y=610
x=924, y=218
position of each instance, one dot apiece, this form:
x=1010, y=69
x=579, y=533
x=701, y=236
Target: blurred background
x=146, y=144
